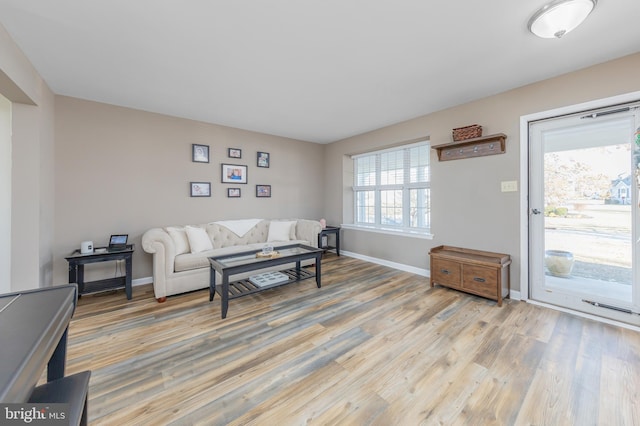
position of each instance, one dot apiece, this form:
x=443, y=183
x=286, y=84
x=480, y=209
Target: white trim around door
x=524, y=169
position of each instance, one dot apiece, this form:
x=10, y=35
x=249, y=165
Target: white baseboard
x=513, y=295
x=141, y=281
x=394, y=265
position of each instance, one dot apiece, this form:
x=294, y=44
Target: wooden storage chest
x=477, y=272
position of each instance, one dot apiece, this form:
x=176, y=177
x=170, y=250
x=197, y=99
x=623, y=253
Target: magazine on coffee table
x=268, y=278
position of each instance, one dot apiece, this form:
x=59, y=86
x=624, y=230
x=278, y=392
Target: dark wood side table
x=77, y=261
x=323, y=238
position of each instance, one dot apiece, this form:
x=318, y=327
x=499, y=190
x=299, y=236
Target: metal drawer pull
x=445, y=271
x=480, y=280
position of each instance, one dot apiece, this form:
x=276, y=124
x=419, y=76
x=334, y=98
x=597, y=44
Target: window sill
x=389, y=231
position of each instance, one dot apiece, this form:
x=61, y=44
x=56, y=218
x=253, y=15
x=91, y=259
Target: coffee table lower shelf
x=245, y=287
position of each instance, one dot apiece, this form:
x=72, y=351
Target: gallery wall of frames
x=231, y=172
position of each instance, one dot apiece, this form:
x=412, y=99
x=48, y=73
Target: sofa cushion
x=179, y=237
x=223, y=237
x=189, y=261
x=198, y=239
x=280, y=231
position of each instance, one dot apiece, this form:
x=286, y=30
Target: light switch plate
x=509, y=185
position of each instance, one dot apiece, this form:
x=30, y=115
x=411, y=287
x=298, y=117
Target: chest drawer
x=480, y=280
x=446, y=272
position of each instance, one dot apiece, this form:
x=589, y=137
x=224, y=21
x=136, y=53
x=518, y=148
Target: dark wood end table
x=77, y=261
x=323, y=238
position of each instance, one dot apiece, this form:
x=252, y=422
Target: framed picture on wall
x=201, y=189
x=199, y=153
x=263, y=191
x=263, y=159
x=235, y=153
x=234, y=173
x=233, y=192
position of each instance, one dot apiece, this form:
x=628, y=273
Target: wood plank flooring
x=373, y=346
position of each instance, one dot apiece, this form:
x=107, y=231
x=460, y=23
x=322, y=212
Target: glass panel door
x=583, y=213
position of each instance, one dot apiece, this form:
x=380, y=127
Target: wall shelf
x=476, y=147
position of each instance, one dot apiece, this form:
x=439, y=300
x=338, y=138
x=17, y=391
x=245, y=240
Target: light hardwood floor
x=373, y=346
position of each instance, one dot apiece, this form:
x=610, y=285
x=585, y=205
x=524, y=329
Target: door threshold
x=584, y=315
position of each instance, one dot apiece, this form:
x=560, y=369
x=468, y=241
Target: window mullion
x=406, y=200
x=378, y=196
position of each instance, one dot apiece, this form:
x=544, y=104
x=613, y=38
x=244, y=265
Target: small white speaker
x=86, y=247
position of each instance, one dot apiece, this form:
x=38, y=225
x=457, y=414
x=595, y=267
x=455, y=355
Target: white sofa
x=180, y=253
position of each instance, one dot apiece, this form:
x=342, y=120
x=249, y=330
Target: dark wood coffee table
x=238, y=263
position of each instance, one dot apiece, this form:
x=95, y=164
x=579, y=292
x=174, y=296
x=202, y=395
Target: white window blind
x=392, y=188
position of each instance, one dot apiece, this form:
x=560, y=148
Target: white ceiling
x=318, y=70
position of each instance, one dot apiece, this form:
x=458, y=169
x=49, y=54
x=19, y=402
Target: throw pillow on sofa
x=198, y=239
x=280, y=231
x=180, y=239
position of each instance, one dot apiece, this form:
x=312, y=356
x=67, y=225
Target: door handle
x=445, y=271
x=535, y=211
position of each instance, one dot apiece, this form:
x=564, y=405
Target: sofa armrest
x=159, y=243
x=308, y=230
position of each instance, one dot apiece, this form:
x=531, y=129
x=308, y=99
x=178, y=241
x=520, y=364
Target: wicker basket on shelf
x=467, y=132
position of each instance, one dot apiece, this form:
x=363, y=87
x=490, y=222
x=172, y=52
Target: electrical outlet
x=509, y=186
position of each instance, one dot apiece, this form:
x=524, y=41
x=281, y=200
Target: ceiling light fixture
x=557, y=18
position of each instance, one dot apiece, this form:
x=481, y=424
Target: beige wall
x=468, y=209
x=31, y=201
x=120, y=170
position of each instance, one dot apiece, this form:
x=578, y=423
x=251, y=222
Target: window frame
x=406, y=186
